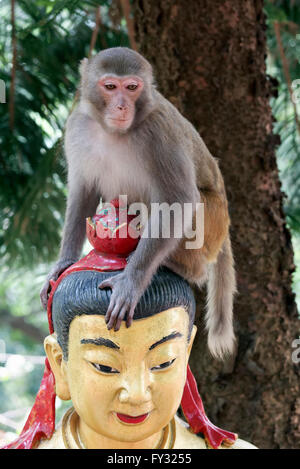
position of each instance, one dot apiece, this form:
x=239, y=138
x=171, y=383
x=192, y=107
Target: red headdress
x=109, y=254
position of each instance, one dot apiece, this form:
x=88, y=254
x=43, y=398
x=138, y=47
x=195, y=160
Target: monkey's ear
x=83, y=66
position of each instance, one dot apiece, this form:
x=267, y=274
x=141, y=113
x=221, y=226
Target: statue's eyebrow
x=174, y=335
x=100, y=341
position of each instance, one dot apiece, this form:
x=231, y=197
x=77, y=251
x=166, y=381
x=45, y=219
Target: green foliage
x=52, y=38
x=286, y=13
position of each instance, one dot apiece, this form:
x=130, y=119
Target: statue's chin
x=131, y=433
x=131, y=438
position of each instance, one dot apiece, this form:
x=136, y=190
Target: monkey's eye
x=110, y=86
x=163, y=365
x=132, y=87
x=105, y=369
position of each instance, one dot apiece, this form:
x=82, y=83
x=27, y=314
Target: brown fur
x=191, y=263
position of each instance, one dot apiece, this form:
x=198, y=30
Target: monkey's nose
x=121, y=107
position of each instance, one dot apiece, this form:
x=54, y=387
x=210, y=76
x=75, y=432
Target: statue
x=125, y=386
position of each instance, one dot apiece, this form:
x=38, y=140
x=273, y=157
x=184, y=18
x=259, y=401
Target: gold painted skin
x=133, y=379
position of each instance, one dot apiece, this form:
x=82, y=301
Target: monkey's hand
x=58, y=269
x=124, y=298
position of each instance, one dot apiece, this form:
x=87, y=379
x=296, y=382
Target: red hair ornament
x=113, y=238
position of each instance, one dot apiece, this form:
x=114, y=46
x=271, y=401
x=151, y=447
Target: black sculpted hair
x=78, y=294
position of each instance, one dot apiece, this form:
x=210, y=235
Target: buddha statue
x=126, y=386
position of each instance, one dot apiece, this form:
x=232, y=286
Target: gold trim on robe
x=177, y=435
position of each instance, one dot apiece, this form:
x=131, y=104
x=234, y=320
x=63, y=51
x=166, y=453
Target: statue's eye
x=110, y=86
x=132, y=87
x=163, y=365
x=104, y=368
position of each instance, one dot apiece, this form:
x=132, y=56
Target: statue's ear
x=58, y=366
x=190, y=344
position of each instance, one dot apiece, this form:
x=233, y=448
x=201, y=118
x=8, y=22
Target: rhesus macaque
x=124, y=137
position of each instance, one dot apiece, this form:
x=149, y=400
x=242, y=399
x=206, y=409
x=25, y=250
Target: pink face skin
x=120, y=95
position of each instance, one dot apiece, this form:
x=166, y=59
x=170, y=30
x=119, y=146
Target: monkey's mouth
x=120, y=122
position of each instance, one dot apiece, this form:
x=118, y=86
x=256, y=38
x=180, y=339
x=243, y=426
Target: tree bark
x=209, y=60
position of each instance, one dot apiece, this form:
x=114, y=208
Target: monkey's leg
x=216, y=223
x=214, y=263
x=190, y=264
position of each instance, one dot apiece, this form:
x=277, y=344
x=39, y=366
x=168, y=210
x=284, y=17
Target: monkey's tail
x=221, y=288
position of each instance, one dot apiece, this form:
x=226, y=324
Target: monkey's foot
x=194, y=413
x=123, y=300
x=57, y=270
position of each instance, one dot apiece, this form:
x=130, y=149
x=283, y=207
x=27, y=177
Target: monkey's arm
x=128, y=287
x=81, y=203
x=82, y=197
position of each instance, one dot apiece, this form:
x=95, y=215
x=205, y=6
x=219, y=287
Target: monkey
x=125, y=137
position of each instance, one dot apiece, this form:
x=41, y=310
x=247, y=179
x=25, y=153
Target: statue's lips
x=129, y=419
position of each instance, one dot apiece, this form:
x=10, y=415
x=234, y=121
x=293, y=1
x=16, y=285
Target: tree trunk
x=209, y=60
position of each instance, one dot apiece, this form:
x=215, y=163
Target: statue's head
x=124, y=385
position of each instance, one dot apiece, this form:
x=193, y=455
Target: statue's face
x=127, y=385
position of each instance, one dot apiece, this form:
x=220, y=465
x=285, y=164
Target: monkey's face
x=119, y=95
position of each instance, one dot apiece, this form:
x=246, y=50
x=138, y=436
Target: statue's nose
x=136, y=391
